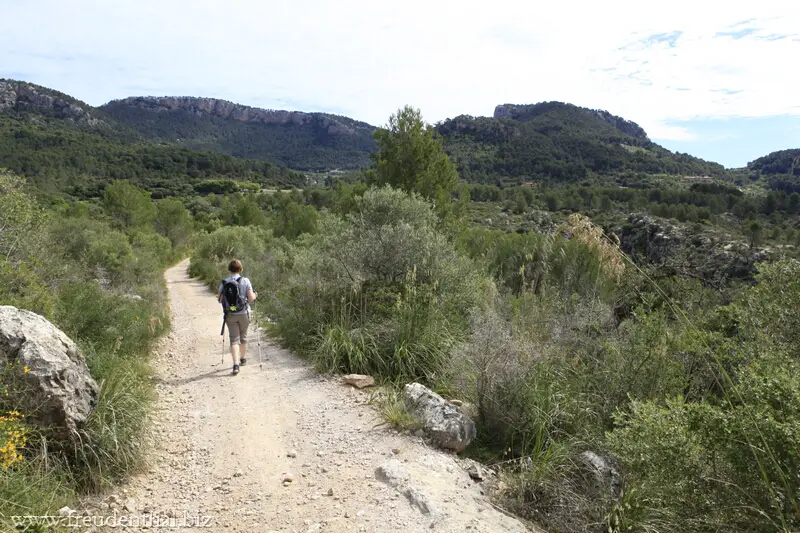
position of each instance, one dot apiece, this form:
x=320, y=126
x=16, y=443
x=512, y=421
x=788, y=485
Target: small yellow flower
x=26, y=369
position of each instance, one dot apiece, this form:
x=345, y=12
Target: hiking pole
x=222, y=334
x=258, y=339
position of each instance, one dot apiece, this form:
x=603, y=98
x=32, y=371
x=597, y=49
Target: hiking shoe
x=243, y=361
x=235, y=370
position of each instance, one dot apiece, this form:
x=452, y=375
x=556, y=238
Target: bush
x=728, y=461
x=378, y=291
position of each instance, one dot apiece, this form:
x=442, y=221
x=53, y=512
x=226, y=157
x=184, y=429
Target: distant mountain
x=781, y=162
x=780, y=170
x=26, y=99
x=550, y=140
x=558, y=141
x=64, y=145
x=303, y=141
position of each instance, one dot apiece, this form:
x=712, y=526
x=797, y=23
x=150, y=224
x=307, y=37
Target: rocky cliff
x=19, y=97
x=228, y=110
x=298, y=140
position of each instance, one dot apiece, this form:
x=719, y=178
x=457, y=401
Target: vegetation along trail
x=284, y=449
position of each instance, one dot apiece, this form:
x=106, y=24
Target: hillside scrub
x=563, y=345
x=103, y=288
x=378, y=290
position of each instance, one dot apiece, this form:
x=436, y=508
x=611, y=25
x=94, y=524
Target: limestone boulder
x=53, y=385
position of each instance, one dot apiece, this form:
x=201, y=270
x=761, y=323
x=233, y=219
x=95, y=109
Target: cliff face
x=229, y=110
x=298, y=140
x=23, y=97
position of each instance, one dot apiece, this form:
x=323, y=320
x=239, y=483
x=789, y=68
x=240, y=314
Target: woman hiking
x=235, y=294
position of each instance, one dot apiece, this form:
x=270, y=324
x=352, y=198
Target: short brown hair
x=235, y=266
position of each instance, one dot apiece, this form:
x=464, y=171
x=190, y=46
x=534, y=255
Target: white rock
x=359, y=380
x=392, y=473
x=441, y=420
x=61, y=404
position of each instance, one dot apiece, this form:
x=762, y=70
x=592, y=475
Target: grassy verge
x=101, y=283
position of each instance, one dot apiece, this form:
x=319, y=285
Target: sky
x=716, y=79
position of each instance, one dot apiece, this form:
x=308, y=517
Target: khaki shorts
x=237, y=327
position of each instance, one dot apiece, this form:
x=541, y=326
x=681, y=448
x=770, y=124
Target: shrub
x=378, y=291
x=728, y=461
x=12, y=438
x=227, y=243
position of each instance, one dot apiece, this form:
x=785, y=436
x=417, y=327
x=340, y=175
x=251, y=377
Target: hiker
x=235, y=294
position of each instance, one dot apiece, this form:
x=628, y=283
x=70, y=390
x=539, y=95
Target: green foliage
x=228, y=243
x=129, y=206
x=781, y=162
x=377, y=290
x=21, y=223
x=38, y=486
x=537, y=263
x=294, y=220
x=410, y=158
x=726, y=461
x=59, y=157
x=173, y=221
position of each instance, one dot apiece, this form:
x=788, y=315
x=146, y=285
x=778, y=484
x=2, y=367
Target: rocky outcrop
x=52, y=383
x=19, y=96
x=228, y=110
x=678, y=248
x=442, y=422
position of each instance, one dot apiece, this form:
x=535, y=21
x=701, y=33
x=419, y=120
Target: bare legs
x=235, y=349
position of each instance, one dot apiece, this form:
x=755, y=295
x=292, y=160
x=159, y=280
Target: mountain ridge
x=296, y=139
x=23, y=96
x=516, y=143
x=226, y=109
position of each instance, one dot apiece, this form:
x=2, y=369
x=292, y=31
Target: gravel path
x=283, y=449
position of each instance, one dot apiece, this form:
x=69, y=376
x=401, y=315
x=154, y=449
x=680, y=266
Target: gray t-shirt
x=244, y=286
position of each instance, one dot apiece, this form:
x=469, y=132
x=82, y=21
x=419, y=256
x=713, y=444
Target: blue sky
x=714, y=79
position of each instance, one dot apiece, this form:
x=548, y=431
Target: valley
x=616, y=321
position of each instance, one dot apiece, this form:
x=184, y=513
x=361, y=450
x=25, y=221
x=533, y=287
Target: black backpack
x=234, y=299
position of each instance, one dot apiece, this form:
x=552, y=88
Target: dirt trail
x=226, y=443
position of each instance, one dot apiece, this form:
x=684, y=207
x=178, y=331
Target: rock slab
x=442, y=421
x=359, y=380
x=57, y=391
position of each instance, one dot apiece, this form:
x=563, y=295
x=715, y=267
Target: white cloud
x=366, y=59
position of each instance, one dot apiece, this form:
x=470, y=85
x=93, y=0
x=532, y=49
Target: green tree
x=128, y=205
x=173, y=221
x=294, y=220
x=410, y=157
x=19, y=215
x=794, y=203
x=754, y=231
